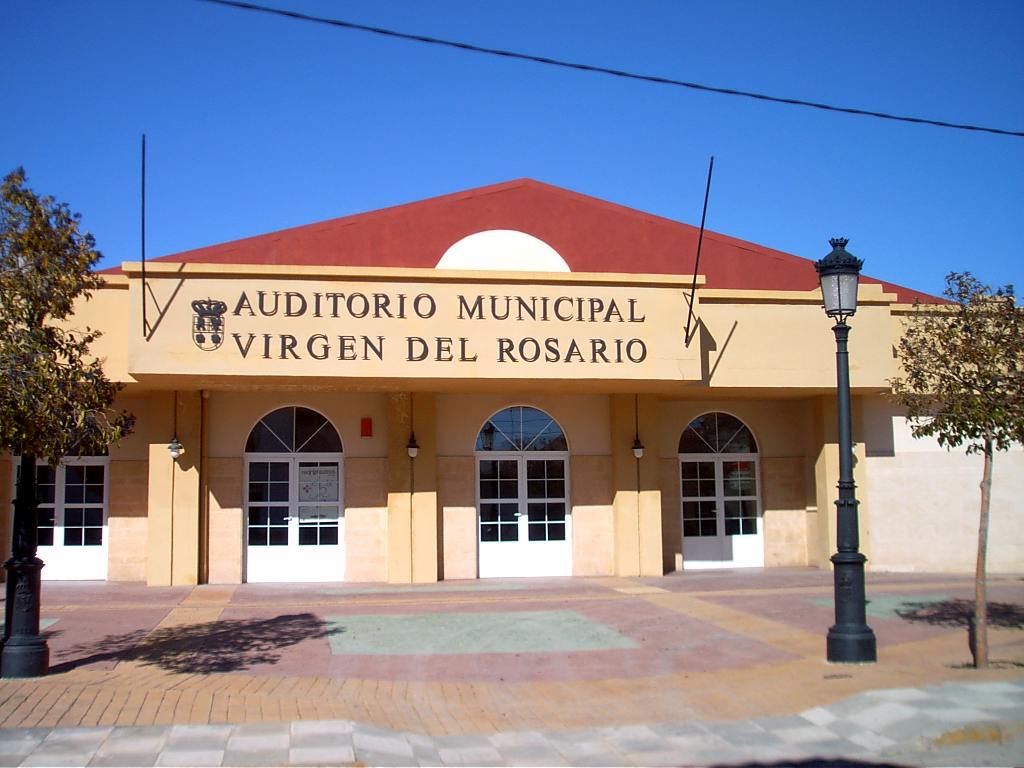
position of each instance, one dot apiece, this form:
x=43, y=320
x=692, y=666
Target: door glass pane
x=545, y=479
x=740, y=517
x=268, y=523
x=698, y=479
x=546, y=521
x=318, y=525
x=45, y=517
x=548, y=439
x=739, y=478
x=499, y=482
x=278, y=536
x=699, y=518
x=46, y=487
x=263, y=440
x=314, y=434
x=717, y=433
x=318, y=480
x=488, y=522
x=521, y=428
x=83, y=526
x=281, y=423
x=46, y=480
x=92, y=537
x=508, y=522
x=499, y=479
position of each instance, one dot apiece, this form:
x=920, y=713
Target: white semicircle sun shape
x=506, y=250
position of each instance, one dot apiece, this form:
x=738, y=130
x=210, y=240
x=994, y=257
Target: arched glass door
x=294, y=510
x=524, y=521
x=719, y=479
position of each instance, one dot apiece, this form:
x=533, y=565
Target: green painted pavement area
x=43, y=624
x=887, y=606
x=476, y=633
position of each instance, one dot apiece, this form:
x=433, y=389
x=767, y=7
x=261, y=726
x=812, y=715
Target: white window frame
x=72, y=562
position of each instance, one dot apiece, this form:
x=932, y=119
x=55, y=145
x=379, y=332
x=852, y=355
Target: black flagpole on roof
x=145, y=325
x=700, y=241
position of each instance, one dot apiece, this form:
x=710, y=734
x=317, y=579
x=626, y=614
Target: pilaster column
x=636, y=505
x=412, y=538
x=173, y=508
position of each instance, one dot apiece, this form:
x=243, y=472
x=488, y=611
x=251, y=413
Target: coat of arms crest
x=208, y=323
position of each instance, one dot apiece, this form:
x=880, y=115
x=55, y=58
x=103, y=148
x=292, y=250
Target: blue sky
x=257, y=123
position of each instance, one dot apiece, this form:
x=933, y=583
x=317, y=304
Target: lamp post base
x=25, y=652
x=850, y=640
x=25, y=656
x=851, y=647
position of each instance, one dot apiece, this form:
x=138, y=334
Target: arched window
x=293, y=430
x=717, y=433
x=521, y=428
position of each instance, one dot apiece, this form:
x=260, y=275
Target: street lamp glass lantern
x=839, y=273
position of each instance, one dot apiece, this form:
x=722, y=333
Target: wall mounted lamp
x=638, y=447
x=175, y=448
x=412, y=446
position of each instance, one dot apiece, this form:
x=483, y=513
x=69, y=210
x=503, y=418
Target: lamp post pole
x=25, y=651
x=850, y=640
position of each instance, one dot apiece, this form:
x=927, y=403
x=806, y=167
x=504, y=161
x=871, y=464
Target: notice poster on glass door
x=318, y=482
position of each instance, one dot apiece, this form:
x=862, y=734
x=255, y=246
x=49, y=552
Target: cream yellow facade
x=392, y=356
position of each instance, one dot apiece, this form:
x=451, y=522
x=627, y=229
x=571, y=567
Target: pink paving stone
x=97, y=638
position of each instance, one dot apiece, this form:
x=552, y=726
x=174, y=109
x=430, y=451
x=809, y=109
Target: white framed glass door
x=720, y=489
x=294, y=498
x=525, y=528
x=524, y=520
x=721, y=522
x=295, y=523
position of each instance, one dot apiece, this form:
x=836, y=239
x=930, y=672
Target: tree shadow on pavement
x=214, y=646
x=960, y=613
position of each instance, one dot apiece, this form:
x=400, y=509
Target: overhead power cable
x=608, y=71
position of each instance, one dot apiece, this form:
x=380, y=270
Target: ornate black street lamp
x=850, y=639
x=25, y=651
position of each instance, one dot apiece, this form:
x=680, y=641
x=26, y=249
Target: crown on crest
x=209, y=307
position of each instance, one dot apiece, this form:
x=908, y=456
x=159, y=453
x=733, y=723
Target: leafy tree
x=963, y=384
x=54, y=398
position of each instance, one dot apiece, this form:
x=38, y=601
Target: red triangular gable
x=592, y=235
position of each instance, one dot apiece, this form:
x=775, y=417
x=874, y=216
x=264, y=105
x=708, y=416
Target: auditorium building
x=511, y=381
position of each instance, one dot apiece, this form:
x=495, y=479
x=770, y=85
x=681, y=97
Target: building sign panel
x=432, y=329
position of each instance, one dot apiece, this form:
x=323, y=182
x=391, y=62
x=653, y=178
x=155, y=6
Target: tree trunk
x=980, y=648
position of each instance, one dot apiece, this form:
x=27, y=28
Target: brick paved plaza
x=620, y=670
